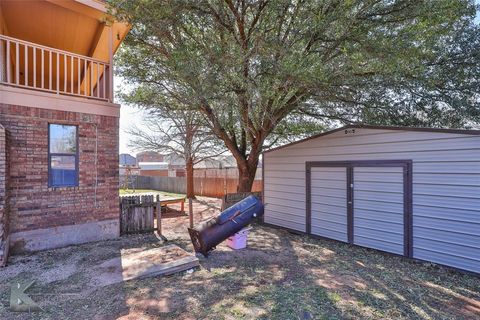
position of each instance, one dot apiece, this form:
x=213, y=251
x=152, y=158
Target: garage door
x=329, y=202
x=367, y=203
x=378, y=208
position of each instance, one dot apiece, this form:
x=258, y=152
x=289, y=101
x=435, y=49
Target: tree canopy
x=258, y=70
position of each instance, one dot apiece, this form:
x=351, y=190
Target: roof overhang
x=78, y=26
x=363, y=126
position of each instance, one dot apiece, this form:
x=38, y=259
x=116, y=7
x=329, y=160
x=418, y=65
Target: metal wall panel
x=329, y=202
x=445, y=165
x=378, y=213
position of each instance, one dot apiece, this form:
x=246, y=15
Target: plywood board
x=148, y=263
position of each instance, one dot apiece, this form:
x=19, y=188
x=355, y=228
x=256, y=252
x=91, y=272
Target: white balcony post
x=58, y=73
x=34, y=84
x=17, y=63
x=91, y=79
x=85, y=78
x=50, y=70
x=25, y=76
x=104, y=76
x=7, y=66
x=110, y=62
x=79, y=75
x=43, y=69
x=71, y=74
x=65, y=73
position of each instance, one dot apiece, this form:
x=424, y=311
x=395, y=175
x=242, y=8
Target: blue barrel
x=209, y=234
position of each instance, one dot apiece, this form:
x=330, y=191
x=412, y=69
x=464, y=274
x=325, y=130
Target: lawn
x=279, y=276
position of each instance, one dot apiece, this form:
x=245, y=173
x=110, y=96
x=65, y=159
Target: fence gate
x=138, y=212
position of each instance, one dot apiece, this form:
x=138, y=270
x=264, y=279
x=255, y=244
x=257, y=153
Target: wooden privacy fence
x=218, y=187
x=230, y=199
x=208, y=187
x=137, y=214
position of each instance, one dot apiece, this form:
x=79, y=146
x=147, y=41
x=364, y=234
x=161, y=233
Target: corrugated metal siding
x=378, y=211
x=446, y=185
x=329, y=202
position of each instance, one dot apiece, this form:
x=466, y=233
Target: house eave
x=51, y=101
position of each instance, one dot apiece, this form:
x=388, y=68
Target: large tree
x=255, y=69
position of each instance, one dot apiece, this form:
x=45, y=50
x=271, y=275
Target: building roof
x=127, y=159
x=362, y=126
x=153, y=165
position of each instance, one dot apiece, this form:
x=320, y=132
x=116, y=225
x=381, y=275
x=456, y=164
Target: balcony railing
x=29, y=65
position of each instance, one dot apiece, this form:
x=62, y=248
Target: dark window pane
x=62, y=171
x=63, y=138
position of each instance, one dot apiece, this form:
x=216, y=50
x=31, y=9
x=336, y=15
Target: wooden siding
x=446, y=185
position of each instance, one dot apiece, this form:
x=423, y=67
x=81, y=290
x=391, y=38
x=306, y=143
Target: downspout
x=96, y=164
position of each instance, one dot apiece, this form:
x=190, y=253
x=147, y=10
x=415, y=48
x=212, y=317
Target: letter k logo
x=19, y=301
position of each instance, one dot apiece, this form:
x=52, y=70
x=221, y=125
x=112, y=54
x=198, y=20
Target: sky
x=130, y=115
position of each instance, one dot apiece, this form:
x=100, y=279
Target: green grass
x=132, y=192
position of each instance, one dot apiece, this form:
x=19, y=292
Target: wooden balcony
x=32, y=66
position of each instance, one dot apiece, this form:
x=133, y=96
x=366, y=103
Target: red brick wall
x=33, y=204
x=149, y=156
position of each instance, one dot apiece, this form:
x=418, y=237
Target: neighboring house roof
x=127, y=160
x=174, y=160
x=361, y=126
x=148, y=153
x=153, y=165
x=219, y=162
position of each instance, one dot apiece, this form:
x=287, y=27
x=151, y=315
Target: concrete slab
x=148, y=263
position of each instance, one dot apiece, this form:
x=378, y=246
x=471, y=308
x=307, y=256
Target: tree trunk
x=246, y=176
x=189, y=168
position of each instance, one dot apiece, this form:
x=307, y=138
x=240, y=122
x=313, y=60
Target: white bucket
x=239, y=239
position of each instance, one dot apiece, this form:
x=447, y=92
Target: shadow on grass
x=284, y=276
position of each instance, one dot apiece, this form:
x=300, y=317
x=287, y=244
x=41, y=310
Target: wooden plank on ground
x=148, y=263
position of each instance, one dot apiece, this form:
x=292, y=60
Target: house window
x=62, y=155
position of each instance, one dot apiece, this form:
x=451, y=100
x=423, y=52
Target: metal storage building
x=409, y=191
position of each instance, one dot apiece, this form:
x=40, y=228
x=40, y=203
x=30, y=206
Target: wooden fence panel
x=208, y=187
x=137, y=214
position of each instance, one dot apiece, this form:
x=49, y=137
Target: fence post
x=159, y=216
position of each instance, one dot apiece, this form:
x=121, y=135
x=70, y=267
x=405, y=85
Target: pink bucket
x=239, y=239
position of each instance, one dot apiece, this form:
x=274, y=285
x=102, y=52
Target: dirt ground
x=279, y=276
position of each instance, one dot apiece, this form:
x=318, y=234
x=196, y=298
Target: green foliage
x=256, y=69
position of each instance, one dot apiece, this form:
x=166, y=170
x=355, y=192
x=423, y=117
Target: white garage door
x=329, y=202
x=378, y=208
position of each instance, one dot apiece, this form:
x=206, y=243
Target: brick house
x=58, y=124
x=149, y=156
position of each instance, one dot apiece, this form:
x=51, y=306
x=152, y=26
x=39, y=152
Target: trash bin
x=239, y=239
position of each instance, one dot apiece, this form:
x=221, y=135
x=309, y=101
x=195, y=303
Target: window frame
x=76, y=155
